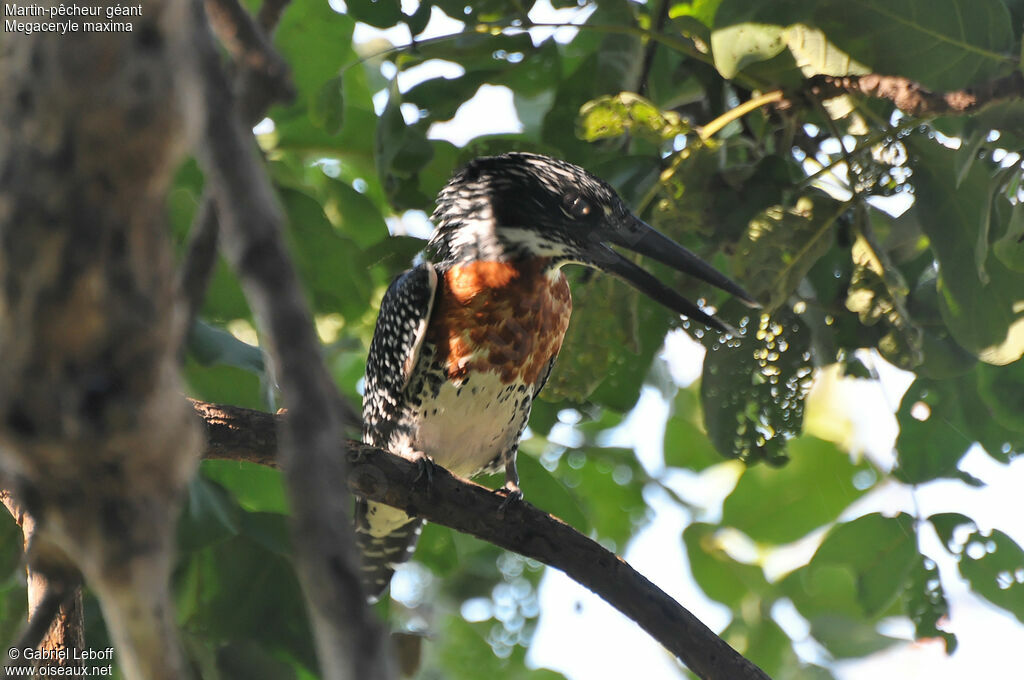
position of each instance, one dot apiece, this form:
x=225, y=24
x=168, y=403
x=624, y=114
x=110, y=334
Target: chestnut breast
x=507, y=318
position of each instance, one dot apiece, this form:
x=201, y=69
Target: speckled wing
x=394, y=350
x=387, y=536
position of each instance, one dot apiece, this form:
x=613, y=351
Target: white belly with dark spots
x=467, y=428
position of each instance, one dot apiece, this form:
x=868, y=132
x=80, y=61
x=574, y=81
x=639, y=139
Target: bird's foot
x=426, y=467
x=513, y=496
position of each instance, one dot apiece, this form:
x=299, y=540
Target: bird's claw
x=426, y=469
x=513, y=496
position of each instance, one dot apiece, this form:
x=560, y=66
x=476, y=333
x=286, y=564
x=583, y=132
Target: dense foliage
x=651, y=98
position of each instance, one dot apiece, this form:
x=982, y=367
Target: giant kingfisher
x=466, y=339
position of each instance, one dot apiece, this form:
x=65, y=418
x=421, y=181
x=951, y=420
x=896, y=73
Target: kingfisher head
x=523, y=205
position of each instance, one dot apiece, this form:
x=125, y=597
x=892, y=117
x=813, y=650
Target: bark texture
x=95, y=442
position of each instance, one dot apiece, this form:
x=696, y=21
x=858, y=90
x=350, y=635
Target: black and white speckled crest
x=508, y=206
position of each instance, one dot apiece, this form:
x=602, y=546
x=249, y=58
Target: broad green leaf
x=720, y=576
x=378, y=13
x=985, y=318
x=466, y=655
x=738, y=45
x=781, y=505
x=942, y=44
x=881, y=551
x=849, y=638
x=224, y=384
x=610, y=495
x=209, y=516
x=782, y=244
x=354, y=214
x=437, y=550
x=627, y=112
x=327, y=261
x=815, y=54
x=753, y=388
x=877, y=293
x=687, y=446
x=1009, y=247
x=762, y=641
x=546, y=491
x=932, y=437
x=328, y=107
x=858, y=571
x=953, y=529
x=316, y=42
x=211, y=345
x=603, y=324
x=237, y=590
x=248, y=661
x=257, y=488
x=994, y=565
x=1002, y=390
x=926, y=604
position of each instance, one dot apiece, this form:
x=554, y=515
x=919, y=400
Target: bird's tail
x=386, y=538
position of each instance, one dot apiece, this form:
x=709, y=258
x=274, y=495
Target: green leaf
x=237, y=590
x=603, y=325
x=782, y=244
x=316, y=42
x=248, y=661
x=879, y=550
x=209, y=516
x=742, y=44
x=932, y=437
x=858, y=571
x=328, y=262
x=257, y=488
x=878, y=292
x=610, y=484
x=985, y=318
x=224, y=384
x=781, y=505
x=926, y=604
x=548, y=492
x=686, y=445
x=849, y=638
x=377, y=13
x=627, y=112
x=720, y=576
x=994, y=565
x=354, y=214
x=1009, y=248
x=753, y=389
x=762, y=641
x=210, y=345
x=941, y=44
x=328, y=108
x=1002, y=390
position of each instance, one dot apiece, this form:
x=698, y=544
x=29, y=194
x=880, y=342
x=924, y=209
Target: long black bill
x=645, y=240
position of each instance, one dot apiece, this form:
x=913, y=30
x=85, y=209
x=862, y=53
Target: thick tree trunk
x=94, y=438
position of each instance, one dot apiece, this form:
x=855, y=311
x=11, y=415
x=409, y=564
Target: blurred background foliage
x=870, y=237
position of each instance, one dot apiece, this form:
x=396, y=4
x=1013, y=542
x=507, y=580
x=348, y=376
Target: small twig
x=914, y=99
x=262, y=79
x=241, y=434
x=661, y=17
x=709, y=130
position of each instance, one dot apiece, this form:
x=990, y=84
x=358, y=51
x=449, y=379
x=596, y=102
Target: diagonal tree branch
x=912, y=98
x=349, y=640
x=235, y=433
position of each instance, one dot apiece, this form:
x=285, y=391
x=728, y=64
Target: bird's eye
x=577, y=206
